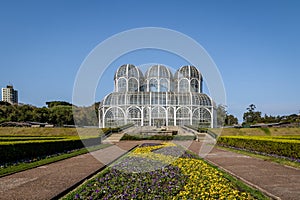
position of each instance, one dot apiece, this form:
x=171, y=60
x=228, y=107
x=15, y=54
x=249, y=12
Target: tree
x=51, y=104
x=4, y=103
x=231, y=120
x=41, y=115
x=221, y=114
x=252, y=116
x=61, y=115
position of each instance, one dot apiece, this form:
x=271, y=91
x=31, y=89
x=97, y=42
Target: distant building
x=10, y=95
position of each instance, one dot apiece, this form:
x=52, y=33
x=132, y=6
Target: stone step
x=113, y=138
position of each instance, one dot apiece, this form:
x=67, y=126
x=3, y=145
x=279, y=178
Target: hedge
x=153, y=137
x=278, y=146
x=11, y=139
x=116, y=129
x=17, y=151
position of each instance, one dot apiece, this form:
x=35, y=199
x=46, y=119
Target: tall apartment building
x=10, y=95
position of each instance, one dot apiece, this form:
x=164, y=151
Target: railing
x=203, y=130
x=110, y=131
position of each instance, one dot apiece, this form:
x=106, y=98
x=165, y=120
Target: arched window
x=153, y=85
x=134, y=115
x=158, y=116
x=183, y=116
x=183, y=85
x=201, y=118
x=114, y=117
x=133, y=85
x=122, y=85
x=194, y=85
x=164, y=85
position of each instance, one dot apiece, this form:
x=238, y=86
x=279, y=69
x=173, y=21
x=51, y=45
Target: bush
x=16, y=151
x=202, y=130
x=153, y=137
x=185, y=137
x=270, y=145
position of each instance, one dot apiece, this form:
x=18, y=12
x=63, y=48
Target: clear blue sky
x=255, y=44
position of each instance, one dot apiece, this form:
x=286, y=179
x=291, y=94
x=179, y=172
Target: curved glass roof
x=188, y=71
x=128, y=71
x=158, y=71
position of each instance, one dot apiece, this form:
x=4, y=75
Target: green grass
x=24, y=166
x=272, y=131
x=28, y=131
x=4, y=140
x=266, y=130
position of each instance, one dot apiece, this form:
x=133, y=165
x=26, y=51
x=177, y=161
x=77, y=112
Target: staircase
x=113, y=138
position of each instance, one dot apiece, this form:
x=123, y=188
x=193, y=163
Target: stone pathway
x=278, y=181
x=47, y=181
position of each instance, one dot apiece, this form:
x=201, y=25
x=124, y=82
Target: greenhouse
x=158, y=98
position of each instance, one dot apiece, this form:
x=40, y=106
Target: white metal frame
x=153, y=101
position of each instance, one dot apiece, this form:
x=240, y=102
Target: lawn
x=27, y=131
x=272, y=131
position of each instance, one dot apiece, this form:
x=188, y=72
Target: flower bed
x=159, y=172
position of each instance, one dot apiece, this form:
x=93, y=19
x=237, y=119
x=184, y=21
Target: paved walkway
x=48, y=181
x=278, y=181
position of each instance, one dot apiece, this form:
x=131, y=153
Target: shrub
x=15, y=151
x=270, y=145
x=153, y=137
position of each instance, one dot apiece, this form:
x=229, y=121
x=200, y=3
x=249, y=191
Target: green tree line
x=252, y=116
x=57, y=112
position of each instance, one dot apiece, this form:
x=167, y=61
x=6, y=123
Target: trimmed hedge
x=270, y=145
x=16, y=151
x=202, y=130
x=153, y=137
x=109, y=130
x=27, y=138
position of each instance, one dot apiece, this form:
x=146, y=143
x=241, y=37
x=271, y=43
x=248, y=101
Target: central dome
x=158, y=71
x=158, y=79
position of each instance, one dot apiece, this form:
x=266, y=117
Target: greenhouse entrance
x=159, y=122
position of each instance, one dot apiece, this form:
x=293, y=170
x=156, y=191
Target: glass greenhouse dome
x=157, y=98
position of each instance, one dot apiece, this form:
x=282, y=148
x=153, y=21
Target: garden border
x=68, y=190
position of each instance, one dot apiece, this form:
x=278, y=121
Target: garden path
x=276, y=180
x=48, y=181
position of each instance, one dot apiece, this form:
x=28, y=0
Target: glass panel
x=122, y=85
x=183, y=85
